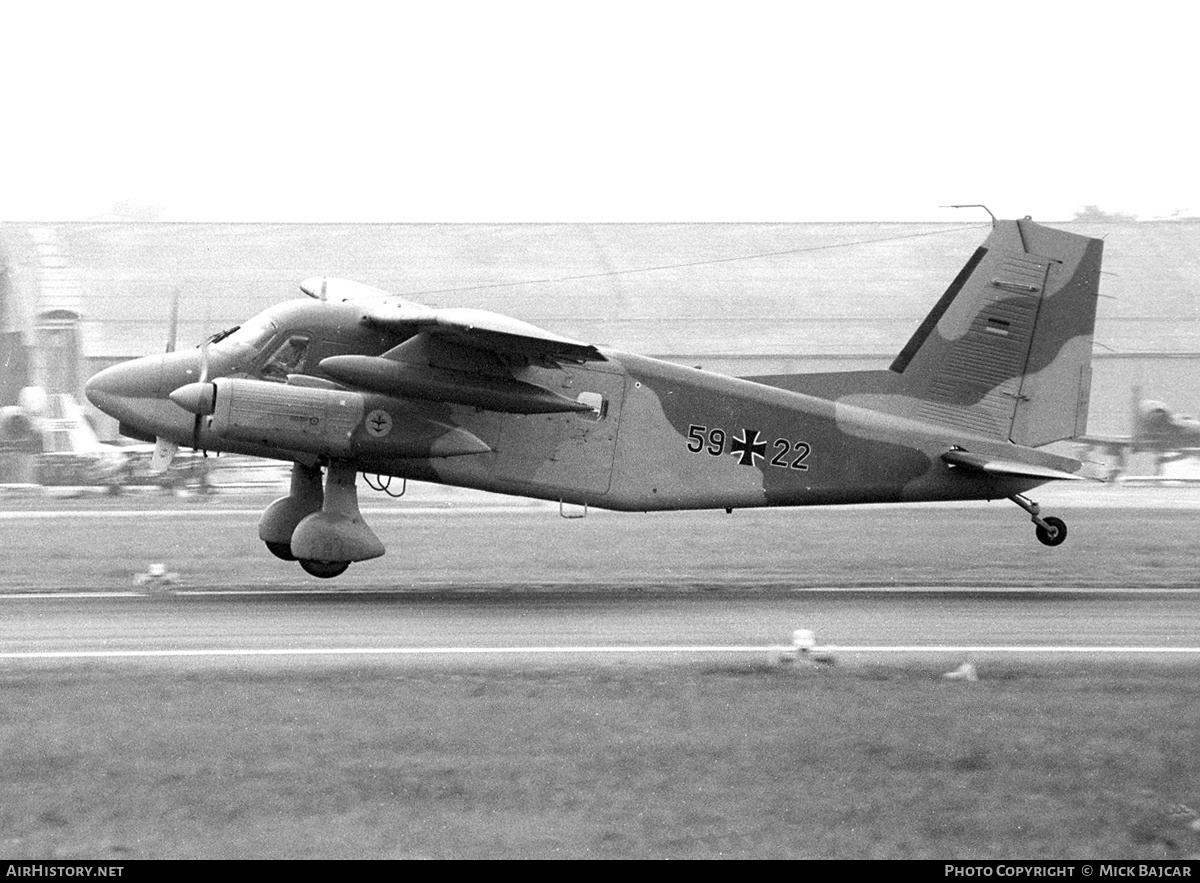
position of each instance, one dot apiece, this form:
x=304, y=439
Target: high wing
x=484, y=330
x=481, y=329
x=455, y=356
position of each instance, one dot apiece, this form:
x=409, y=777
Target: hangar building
x=735, y=298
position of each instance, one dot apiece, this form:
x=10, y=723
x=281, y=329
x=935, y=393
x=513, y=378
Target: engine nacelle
x=331, y=422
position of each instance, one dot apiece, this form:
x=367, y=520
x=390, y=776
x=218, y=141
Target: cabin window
x=286, y=358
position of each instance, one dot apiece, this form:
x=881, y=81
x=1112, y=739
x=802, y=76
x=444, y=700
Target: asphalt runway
x=513, y=583
x=408, y=630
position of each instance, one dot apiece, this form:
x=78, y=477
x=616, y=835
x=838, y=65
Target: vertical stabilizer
x=1006, y=352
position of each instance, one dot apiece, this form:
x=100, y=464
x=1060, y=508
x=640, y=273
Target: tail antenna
x=974, y=205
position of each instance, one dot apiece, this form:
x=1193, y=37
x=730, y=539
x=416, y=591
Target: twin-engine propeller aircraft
x=356, y=380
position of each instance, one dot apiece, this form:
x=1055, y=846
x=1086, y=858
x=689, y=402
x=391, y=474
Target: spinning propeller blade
x=164, y=453
x=203, y=379
x=164, y=449
x=173, y=323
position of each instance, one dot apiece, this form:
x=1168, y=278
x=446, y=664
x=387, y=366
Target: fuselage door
x=571, y=451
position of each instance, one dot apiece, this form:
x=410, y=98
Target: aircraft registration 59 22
x=747, y=446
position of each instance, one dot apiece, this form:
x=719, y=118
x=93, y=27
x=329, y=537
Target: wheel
x=1056, y=534
x=324, y=569
x=281, y=550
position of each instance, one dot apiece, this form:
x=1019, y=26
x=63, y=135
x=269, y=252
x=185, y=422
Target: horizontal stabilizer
x=1013, y=468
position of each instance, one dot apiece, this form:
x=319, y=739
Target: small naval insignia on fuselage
x=379, y=423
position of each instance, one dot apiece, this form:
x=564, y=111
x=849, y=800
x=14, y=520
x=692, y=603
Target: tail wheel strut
x=1050, y=531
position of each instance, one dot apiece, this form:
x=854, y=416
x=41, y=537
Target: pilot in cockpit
x=286, y=359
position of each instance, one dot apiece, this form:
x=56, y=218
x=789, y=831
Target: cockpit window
x=286, y=358
x=253, y=333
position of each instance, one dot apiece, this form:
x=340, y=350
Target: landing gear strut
x=319, y=526
x=326, y=542
x=1050, y=530
x=278, y=523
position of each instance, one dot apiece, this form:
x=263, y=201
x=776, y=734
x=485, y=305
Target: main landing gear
x=1050, y=531
x=320, y=527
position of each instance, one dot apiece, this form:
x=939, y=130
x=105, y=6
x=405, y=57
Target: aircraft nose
x=138, y=379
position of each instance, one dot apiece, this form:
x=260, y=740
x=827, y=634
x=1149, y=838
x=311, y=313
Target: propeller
x=198, y=397
x=173, y=322
x=196, y=424
x=165, y=449
x=164, y=453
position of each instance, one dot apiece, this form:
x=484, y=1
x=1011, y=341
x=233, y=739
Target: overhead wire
x=704, y=263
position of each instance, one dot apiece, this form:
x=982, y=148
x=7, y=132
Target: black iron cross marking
x=749, y=447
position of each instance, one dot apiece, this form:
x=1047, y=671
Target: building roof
x=684, y=290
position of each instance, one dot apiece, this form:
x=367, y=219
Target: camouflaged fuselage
x=673, y=437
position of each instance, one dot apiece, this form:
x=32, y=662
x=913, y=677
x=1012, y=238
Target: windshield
x=253, y=333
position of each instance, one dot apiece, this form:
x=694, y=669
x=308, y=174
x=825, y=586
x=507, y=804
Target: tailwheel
x=281, y=550
x=1050, y=530
x=324, y=569
x=1053, y=532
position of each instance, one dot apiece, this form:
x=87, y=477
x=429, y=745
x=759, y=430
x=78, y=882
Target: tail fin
x=1007, y=350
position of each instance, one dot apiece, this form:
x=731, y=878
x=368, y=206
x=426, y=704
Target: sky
x=596, y=112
